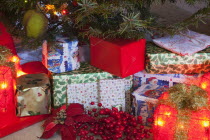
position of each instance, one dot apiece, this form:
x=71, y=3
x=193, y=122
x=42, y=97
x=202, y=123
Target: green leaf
x=62, y=83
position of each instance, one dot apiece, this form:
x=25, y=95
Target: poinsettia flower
x=64, y=119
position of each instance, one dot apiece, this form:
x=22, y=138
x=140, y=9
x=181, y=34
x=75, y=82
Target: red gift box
x=119, y=57
x=9, y=122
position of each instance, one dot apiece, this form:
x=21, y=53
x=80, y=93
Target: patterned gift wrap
x=128, y=81
x=83, y=93
x=64, y=57
x=33, y=95
x=162, y=61
x=112, y=93
x=145, y=97
x=187, y=43
x=85, y=74
x=81, y=86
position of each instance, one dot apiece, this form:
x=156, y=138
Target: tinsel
x=5, y=55
x=186, y=99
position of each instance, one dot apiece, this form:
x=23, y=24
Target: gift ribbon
x=186, y=99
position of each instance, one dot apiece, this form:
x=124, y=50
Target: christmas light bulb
x=55, y=12
x=159, y=122
x=167, y=113
x=205, y=123
x=26, y=1
x=50, y=7
x=19, y=73
x=204, y=85
x=64, y=12
x=3, y=86
x=15, y=59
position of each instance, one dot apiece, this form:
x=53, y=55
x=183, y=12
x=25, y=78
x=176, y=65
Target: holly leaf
x=83, y=118
x=69, y=121
x=50, y=133
x=68, y=133
x=75, y=109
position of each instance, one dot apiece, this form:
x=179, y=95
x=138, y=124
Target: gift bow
x=190, y=97
x=63, y=119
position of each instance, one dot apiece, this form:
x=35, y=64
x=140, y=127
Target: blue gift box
x=149, y=87
x=29, y=55
x=64, y=57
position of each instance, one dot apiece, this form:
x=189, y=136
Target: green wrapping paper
x=161, y=61
x=33, y=95
x=85, y=74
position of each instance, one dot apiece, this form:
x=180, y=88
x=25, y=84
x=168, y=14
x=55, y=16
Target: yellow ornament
x=36, y=25
x=27, y=15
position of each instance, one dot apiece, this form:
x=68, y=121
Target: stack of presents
x=127, y=74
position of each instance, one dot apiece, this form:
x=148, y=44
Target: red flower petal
x=75, y=109
x=83, y=118
x=48, y=134
x=48, y=120
x=69, y=121
x=50, y=126
x=67, y=133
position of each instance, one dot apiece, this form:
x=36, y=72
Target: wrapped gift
x=33, y=95
x=162, y=61
x=84, y=53
x=148, y=87
x=182, y=114
x=82, y=86
x=119, y=57
x=112, y=93
x=29, y=55
x=187, y=43
x=63, y=57
x=108, y=92
x=85, y=74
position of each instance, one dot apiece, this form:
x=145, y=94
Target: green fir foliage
x=129, y=19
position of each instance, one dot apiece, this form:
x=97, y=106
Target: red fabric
x=34, y=67
x=6, y=39
x=9, y=122
x=120, y=57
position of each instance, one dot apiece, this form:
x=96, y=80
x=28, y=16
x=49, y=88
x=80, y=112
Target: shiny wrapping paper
x=162, y=61
x=33, y=95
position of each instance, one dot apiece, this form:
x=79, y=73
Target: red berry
x=92, y=103
x=142, y=127
x=89, y=112
x=150, y=130
x=101, y=112
x=94, y=109
x=139, y=117
x=107, y=110
x=150, y=120
x=99, y=104
x=95, y=115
